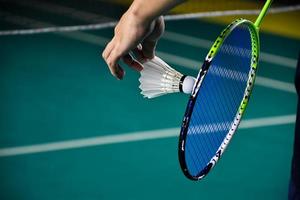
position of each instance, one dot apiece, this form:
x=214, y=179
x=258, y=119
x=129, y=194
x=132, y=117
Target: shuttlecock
x=158, y=78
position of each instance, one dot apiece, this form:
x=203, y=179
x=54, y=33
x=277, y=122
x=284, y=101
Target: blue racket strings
x=218, y=100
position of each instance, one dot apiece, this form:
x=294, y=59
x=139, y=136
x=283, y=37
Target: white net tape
x=167, y=18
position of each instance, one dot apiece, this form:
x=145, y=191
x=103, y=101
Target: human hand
x=133, y=35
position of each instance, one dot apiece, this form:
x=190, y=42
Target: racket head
x=219, y=98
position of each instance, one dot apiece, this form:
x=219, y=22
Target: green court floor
x=56, y=88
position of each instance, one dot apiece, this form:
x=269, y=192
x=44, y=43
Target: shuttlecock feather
x=158, y=78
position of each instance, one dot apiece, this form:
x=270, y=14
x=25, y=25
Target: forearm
x=148, y=10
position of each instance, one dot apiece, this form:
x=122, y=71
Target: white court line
x=267, y=121
x=131, y=137
x=260, y=80
x=202, y=43
x=275, y=84
x=178, y=60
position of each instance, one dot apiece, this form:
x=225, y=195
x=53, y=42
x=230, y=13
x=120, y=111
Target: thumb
x=150, y=41
x=149, y=49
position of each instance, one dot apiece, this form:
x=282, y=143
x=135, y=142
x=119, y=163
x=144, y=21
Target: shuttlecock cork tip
x=187, y=84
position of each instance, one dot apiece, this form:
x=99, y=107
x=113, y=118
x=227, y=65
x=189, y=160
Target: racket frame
x=197, y=87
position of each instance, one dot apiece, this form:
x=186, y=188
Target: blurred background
x=69, y=130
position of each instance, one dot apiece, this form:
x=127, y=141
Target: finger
x=114, y=67
x=149, y=43
x=117, y=71
x=107, y=50
x=157, y=31
x=138, y=53
x=149, y=49
x=130, y=61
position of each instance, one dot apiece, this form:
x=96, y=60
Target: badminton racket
x=220, y=96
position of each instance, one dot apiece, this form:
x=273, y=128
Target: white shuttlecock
x=158, y=78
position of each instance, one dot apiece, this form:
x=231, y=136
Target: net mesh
x=218, y=100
